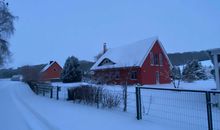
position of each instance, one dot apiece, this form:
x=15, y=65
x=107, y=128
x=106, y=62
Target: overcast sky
x=55, y=29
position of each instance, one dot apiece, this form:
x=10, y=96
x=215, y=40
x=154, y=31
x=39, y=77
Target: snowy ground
x=181, y=110
x=21, y=109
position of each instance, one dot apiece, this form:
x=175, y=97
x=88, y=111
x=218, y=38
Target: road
x=21, y=109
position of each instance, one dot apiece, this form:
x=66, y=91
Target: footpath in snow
x=21, y=109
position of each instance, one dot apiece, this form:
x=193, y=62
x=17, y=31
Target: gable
x=157, y=48
x=106, y=61
x=53, y=65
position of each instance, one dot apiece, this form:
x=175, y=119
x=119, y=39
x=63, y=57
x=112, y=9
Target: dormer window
x=106, y=62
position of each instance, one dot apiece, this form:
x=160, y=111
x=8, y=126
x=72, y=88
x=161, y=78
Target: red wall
x=106, y=76
x=50, y=73
x=148, y=71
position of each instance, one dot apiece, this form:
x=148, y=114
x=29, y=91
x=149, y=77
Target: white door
x=157, y=77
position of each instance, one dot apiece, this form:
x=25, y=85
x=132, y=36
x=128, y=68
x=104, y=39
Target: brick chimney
x=104, y=48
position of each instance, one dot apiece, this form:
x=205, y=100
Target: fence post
x=51, y=92
x=58, y=89
x=37, y=89
x=209, y=110
x=138, y=103
x=43, y=91
x=98, y=98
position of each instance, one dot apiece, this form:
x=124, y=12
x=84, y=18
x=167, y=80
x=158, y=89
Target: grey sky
x=55, y=29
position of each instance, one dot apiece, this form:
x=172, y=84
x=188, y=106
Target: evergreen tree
x=193, y=71
x=71, y=71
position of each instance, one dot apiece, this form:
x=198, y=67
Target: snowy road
x=21, y=109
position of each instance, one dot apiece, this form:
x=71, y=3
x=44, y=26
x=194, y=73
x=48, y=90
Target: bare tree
x=174, y=74
x=125, y=85
x=30, y=74
x=6, y=30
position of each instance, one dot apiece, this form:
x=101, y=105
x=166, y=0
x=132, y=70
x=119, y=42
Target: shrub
x=110, y=100
x=94, y=95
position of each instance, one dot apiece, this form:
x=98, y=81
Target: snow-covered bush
x=94, y=95
x=71, y=71
x=85, y=94
x=193, y=71
x=110, y=100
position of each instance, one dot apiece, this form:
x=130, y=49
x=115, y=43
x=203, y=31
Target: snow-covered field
x=181, y=110
x=21, y=109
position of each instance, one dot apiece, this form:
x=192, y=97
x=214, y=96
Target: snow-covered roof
x=129, y=55
x=207, y=63
x=48, y=66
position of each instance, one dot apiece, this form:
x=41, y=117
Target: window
x=161, y=59
x=117, y=75
x=54, y=69
x=133, y=75
x=151, y=58
x=156, y=59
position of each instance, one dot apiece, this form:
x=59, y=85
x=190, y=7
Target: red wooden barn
x=142, y=62
x=50, y=72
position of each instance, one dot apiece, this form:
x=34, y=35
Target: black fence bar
x=207, y=94
x=43, y=92
x=209, y=111
x=181, y=90
x=58, y=89
x=138, y=103
x=51, y=92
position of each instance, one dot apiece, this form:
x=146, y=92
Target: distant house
x=41, y=72
x=17, y=78
x=142, y=62
x=50, y=72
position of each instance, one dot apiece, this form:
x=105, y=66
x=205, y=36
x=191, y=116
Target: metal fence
x=47, y=90
x=179, y=108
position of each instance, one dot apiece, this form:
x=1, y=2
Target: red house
x=50, y=72
x=142, y=62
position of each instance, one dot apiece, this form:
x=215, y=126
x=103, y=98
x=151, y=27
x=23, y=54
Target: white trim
x=165, y=53
x=148, y=52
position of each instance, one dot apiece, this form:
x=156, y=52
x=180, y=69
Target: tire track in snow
x=8, y=97
x=35, y=120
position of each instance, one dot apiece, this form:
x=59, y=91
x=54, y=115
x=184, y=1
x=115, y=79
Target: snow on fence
x=179, y=109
